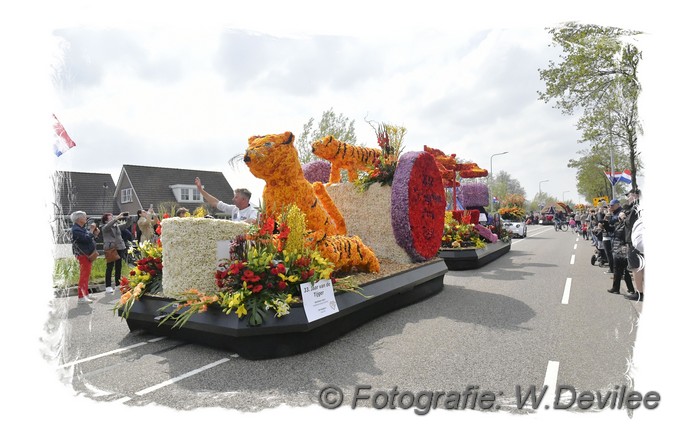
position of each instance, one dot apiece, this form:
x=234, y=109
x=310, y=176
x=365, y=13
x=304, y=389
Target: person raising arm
x=241, y=210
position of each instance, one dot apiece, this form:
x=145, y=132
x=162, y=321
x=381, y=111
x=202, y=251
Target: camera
x=126, y=213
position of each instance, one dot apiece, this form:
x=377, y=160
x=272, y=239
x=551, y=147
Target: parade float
x=466, y=243
x=325, y=257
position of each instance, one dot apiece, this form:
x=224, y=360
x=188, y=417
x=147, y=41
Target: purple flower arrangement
x=317, y=171
x=474, y=194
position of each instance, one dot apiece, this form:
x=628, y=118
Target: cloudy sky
x=184, y=85
x=189, y=97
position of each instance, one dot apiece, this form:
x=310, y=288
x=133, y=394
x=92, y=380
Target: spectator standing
x=620, y=255
x=146, y=223
x=612, y=219
x=241, y=210
x=113, y=239
x=636, y=257
x=83, y=245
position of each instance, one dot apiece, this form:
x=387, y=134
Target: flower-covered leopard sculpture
x=274, y=159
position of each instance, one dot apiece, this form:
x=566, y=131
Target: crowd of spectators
x=616, y=233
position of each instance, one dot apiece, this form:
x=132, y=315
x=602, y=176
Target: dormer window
x=185, y=193
x=126, y=195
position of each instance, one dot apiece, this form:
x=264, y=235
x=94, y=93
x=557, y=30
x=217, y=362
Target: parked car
x=515, y=227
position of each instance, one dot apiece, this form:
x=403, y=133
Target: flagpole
x=611, y=155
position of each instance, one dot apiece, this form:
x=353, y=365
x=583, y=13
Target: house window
x=126, y=195
x=186, y=193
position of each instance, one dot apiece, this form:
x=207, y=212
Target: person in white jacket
x=241, y=210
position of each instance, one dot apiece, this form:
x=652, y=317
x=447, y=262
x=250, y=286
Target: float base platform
x=292, y=333
x=469, y=259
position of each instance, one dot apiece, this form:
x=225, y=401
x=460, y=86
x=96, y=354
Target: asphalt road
x=539, y=315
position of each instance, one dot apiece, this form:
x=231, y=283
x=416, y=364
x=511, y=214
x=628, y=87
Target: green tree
x=598, y=75
x=330, y=124
x=591, y=181
x=502, y=184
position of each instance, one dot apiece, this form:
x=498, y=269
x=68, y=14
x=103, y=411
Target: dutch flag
x=62, y=142
x=624, y=176
x=619, y=177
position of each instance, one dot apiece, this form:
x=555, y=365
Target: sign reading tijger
x=318, y=299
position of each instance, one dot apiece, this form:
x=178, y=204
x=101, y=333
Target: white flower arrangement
x=190, y=252
x=367, y=215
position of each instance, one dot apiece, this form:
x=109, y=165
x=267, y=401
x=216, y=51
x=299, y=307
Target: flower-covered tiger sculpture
x=274, y=159
x=347, y=252
x=346, y=156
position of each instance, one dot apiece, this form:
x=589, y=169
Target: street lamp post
x=490, y=178
x=539, y=187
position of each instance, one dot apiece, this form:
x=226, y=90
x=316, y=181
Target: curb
x=73, y=290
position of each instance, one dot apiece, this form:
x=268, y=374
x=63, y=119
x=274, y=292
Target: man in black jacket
x=612, y=219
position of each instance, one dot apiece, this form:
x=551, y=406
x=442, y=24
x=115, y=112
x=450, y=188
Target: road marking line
x=567, y=290
x=181, y=377
x=575, y=246
x=515, y=241
x=573, y=257
x=109, y=353
x=551, y=374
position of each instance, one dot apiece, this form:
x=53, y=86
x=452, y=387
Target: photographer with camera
x=114, y=245
x=620, y=256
